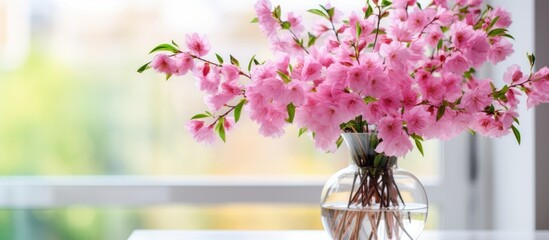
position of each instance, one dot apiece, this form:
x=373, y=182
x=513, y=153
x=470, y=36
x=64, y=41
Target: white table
x=320, y=235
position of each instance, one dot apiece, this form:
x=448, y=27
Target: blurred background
x=73, y=109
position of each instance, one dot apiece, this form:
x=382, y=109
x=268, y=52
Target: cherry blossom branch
x=218, y=65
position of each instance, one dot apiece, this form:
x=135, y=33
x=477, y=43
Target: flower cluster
x=403, y=71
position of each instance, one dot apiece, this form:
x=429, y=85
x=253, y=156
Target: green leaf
x=302, y=131
x=497, y=32
x=200, y=115
x=164, y=47
x=209, y=114
x=284, y=77
x=386, y=3
x=286, y=25
x=234, y=61
x=531, y=59
x=378, y=31
x=358, y=29
x=377, y=159
x=494, y=21
x=318, y=12
x=250, y=63
x=255, y=20
x=516, y=132
x=419, y=5
x=144, y=67
x=175, y=44
x=277, y=12
x=291, y=112
x=331, y=12
x=441, y=111
x=516, y=120
x=508, y=36
x=219, y=58
x=369, y=11
x=312, y=40
x=238, y=110
x=220, y=128
x=168, y=76
x=472, y=132
x=419, y=146
x=439, y=45
x=339, y=142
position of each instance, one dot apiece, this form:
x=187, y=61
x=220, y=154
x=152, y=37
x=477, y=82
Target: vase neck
x=362, y=151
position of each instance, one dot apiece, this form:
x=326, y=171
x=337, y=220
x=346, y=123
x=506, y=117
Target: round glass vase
x=372, y=198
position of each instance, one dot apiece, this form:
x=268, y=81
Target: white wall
x=513, y=165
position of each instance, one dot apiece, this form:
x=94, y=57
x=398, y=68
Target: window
x=91, y=149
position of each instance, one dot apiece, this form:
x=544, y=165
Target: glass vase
x=372, y=198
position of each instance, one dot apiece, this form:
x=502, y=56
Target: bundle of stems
x=374, y=196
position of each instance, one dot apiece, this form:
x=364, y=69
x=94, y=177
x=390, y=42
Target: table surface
x=320, y=235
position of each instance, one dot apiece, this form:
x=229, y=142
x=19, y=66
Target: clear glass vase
x=372, y=198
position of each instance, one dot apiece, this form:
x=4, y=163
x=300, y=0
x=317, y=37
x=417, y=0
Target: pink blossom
x=513, y=75
x=357, y=76
x=295, y=23
x=198, y=45
x=373, y=113
x=267, y=23
x=403, y=3
x=208, y=78
x=200, y=132
x=350, y=106
x=183, y=63
x=398, y=146
x=164, y=64
x=396, y=55
x=416, y=119
x=461, y=33
x=477, y=99
x=452, y=86
x=311, y=70
x=295, y=92
x=433, y=37
x=500, y=50
x=390, y=127
x=400, y=32
x=417, y=20
x=504, y=20
x=477, y=49
x=457, y=63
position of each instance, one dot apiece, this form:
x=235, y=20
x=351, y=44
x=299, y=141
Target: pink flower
x=311, y=70
x=183, y=63
x=477, y=99
x=295, y=92
x=198, y=45
x=416, y=119
x=403, y=3
x=373, y=113
x=399, y=31
x=461, y=33
x=201, y=132
x=434, y=36
x=513, y=75
x=295, y=23
x=164, y=64
x=357, y=76
x=417, y=20
x=267, y=23
x=504, y=20
x=208, y=78
x=500, y=50
x=398, y=146
x=456, y=63
x=389, y=127
x=396, y=55
x=477, y=49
